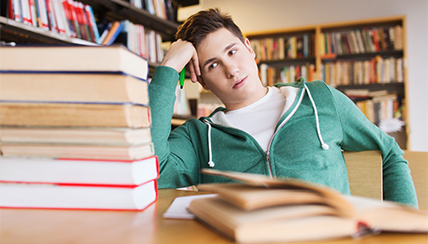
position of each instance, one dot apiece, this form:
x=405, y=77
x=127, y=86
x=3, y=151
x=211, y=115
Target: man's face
x=229, y=70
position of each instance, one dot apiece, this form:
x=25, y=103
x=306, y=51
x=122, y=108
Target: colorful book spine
x=93, y=25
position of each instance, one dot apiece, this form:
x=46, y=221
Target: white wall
x=259, y=15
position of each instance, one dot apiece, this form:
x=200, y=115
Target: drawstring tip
x=211, y=164
x=325, y=146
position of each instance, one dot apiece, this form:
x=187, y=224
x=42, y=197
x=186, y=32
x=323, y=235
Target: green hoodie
x=307, y=143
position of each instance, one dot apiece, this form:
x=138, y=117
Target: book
x=112, y=33
x=74, y=114
x=113, y=58
x=75, y=135
x=113, y=152
x=77, y=196
x=78, y=171
x=264, y=209
x=73, y=87
x=92, y=23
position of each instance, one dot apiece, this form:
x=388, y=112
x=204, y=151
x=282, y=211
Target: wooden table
x=148, y=226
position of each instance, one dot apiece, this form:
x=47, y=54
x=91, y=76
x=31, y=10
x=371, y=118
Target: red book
x=10, y=10
x=376, y=40
x=84, y=22
x=69, y=18
x=91, y=23
x=79, y=21
x=74, y=18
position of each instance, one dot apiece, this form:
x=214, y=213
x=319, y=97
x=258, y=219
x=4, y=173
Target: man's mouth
x=240, y=83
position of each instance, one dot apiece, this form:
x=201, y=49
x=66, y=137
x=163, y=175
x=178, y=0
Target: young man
x=291, y=130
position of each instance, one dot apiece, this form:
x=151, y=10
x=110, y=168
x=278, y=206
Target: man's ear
x=201, y=81
x=248, y=46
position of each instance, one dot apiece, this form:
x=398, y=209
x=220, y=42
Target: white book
x=78, y=171
x=53, y=196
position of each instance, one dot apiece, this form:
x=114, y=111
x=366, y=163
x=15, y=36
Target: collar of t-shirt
x=258, y=119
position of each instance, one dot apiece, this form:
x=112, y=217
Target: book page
x=178, y=208
x=330, y=196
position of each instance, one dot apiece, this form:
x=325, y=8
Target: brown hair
x=199, y=25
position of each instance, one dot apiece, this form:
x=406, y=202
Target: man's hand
x=180, y=54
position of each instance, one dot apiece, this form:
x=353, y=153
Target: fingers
x=193, y=76
x=194, y=69
x=180, y=54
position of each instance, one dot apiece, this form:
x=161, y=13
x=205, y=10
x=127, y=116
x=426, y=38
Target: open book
x=262, y=209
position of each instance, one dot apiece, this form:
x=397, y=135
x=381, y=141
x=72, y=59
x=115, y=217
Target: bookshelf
x=355, y=56
x=105, y=11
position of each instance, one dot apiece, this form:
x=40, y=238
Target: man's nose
x=231, y=69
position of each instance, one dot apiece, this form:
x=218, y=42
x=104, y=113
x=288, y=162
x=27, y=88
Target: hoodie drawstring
x=323, y=144
x=210, y=162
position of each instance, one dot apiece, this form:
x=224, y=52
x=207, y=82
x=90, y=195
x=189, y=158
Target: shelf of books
x=58, y=149
x=142, y=26
x=284, y=55
x=365, y=59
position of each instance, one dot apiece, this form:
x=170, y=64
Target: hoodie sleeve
x=175, y=150
x=359, y=134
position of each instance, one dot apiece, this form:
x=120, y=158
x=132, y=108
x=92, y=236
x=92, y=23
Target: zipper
x=279, y=127
x=268, y=161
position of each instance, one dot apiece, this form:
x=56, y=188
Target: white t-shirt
x=260, y=118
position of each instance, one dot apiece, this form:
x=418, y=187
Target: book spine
x=93, y=24
x=41, y=4
x=84, y=22
x=73, y=16
x=33, y=13
x=26, y=15
x=69, y=18
x=59, y=17
x=51, y=17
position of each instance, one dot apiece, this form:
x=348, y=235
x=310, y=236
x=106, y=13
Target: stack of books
x=75, y=129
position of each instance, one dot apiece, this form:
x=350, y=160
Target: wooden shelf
x=289, y=61
x=18, y=32
x=364, y=56
x=395, y=87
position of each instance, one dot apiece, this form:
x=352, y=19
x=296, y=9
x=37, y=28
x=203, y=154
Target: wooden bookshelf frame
x=347, y=25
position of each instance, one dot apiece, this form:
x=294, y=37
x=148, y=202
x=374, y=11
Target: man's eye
x=212, y=66
x=231, y=52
